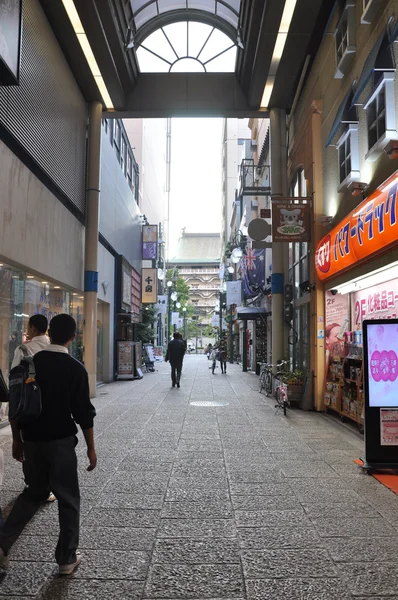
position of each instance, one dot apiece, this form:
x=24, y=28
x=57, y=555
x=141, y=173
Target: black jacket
x=175, y=351
x=65, y=398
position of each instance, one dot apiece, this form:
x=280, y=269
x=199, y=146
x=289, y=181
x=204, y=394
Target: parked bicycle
x=266, y=383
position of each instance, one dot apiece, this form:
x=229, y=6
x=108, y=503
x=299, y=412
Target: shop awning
x=380, y=58
x=250, y=313
x=346, y=114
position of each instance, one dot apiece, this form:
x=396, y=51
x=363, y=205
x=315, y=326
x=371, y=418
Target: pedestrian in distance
x=213, y=358
x=222, y=357
x=175, y=355
x=46, y=446
x=208, y=352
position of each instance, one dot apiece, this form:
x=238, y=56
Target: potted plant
x=295, y=384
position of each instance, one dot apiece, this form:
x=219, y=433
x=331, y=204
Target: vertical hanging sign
x=149, y=292
x=149, y=242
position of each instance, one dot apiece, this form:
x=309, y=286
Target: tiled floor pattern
x=234, y=502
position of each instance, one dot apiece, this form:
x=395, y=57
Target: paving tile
x=197, y=510
x=107, y=517
x=24, y=579
x=193, y=581
x=126, y=500
x=273, y=503
x=371, y=578
x=197, y=551
x=260, y=489
x=345, y=510
x=90, y=589
x=42, y=548
x=195, y=482
x=296, y=589
x=102, y=564
x=197, y=528
x=357, y=549
x=268, y=564
x=117, y=538
x=340, y=527
x=280, y=537
x=196, y=495
x=265, y=518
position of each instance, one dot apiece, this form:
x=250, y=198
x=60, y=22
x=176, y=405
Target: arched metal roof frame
x=183, y=15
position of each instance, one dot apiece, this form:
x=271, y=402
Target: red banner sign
x=370, y=228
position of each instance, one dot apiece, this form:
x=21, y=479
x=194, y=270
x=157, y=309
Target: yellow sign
x=149, y=286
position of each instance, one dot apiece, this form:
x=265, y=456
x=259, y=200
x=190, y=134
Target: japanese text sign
x=370, y=228
x=149, y=242
x=291, y=220
x=378, y=302
x=149, y=290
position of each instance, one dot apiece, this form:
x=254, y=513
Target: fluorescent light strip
x=280, y=42
x=87, y=50
x=369, y=280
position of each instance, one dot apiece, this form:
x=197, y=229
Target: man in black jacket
x=46, y=447
x=175, y=354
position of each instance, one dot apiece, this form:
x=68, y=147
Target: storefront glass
x=23, y=295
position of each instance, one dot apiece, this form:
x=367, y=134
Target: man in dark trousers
x=175, y=354
x=46, y=447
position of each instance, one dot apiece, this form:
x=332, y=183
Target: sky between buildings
x=196, y=177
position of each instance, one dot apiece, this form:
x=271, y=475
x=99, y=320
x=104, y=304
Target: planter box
x=295, y=392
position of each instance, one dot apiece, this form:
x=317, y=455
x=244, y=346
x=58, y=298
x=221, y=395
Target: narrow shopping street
x=206, y=492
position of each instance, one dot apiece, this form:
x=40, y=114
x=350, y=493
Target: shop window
x=348, y=156
x=380, y=115
x=345, y=40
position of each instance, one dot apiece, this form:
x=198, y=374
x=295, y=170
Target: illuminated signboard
x=370, y=228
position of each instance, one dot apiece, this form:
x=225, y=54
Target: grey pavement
x=208, y=492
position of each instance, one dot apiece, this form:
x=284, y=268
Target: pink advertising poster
x=336, y=318
x=383, y=364
x=388, y=427
x=377, y=302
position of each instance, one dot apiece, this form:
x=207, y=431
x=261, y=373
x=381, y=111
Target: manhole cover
x=208, y=403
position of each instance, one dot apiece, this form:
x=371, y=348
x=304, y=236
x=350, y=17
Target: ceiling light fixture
x=29, y=277
x=87, y=51
x=280, y=42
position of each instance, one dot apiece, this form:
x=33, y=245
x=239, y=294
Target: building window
x=347, y=148
x=380, y=115
x=123, y=149
x=129, y=169
x=116, y=136
x=345, y=40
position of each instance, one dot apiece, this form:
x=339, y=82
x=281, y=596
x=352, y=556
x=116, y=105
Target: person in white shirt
x=38, y=339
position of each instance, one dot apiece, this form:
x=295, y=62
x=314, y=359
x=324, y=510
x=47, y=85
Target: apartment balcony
x=254, y=180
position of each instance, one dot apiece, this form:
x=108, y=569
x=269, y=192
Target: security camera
x=334, y=292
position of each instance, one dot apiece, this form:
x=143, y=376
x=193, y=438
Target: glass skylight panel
x=145, y=15
x=165, y=5
x=227, y=14
x=208, y=5
x=188, y=65
x=217, y=42
x=157, y=42
x=137, y=4
x=225, y=63
x=177, y=34
x=149, y=63
x=198, y=34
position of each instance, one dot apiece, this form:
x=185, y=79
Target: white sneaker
x=51, y=498
x=68, y=569
x=4, y=560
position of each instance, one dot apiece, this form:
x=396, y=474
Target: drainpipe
x=91, y=244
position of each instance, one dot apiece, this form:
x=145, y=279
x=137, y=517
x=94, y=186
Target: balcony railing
x=254, y=179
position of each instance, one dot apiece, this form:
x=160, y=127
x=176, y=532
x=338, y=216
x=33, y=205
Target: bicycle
x=266, y=376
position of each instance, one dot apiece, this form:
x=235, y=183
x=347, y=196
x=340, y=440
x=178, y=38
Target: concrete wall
x=119, y=213
x=106, y=293
x=36, y=230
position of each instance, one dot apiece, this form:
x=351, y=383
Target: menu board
x=382, y=362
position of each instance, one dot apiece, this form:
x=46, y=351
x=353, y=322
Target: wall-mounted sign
x=162, y=305
x=149, y=242
x=10, y=41
x=378, y=302
x=369, y=229
x=234, y=293
x=291, y=220
x=149, y=289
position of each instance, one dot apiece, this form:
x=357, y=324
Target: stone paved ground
x=228, y=503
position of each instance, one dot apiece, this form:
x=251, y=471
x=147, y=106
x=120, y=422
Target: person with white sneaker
x=46, y=447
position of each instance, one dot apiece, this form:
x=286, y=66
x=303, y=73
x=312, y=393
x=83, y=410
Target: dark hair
x=62, y=329
x=176, y=335
x=40, y=322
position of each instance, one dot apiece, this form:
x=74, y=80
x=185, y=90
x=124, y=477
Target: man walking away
x=47, y=446
x=175, y=354
x=38, y=340
x=223, y=355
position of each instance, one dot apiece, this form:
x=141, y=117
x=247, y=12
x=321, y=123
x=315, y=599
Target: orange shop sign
x=372, y=227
